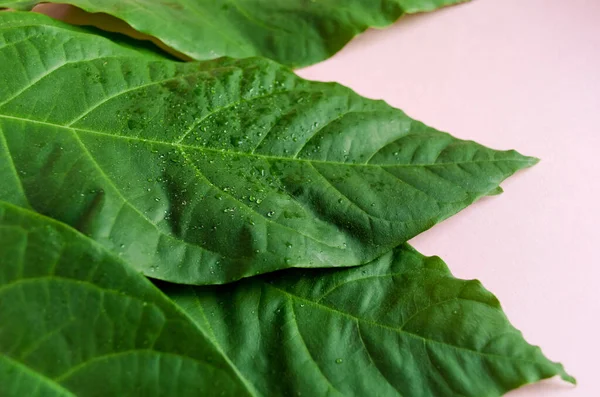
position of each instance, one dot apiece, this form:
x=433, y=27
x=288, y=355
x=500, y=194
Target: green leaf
x=76, y=321
x=400, y=326
x=204, y=173
x=292, y=32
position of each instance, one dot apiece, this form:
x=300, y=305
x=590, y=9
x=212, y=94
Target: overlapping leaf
x=205, y=173
x=75, y=320
x=399, y=326
x=292, y=32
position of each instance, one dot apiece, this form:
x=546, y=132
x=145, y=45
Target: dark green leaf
x=75, y=321
x=292, y=32
x=400, y=326
x=204, y=173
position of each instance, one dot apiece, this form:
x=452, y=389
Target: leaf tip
x=496, y=191
x=531, y=161
x=568, y=378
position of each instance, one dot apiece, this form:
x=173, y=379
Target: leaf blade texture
x=76, y=320
x=292, y=32
x=205, y=173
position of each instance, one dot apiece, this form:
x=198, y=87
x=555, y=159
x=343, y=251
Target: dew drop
x=339, y=361
x=270, y=214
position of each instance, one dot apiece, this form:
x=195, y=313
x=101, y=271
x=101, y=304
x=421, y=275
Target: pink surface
x=522, y=74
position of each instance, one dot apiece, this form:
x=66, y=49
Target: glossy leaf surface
x=400, y=326
x=292, y=32
x=204, y=173
x=76, y=321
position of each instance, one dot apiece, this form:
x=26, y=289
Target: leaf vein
x=397, y=330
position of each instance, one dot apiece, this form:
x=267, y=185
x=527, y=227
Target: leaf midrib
x=257, y=155
x=322, y=306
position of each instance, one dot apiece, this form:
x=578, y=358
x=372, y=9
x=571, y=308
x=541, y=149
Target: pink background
x=522, y=74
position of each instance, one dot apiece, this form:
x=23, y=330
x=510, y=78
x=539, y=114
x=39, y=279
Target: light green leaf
x=400, y=326
x=292, y=32
x=76, y=321
x=204, y=173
